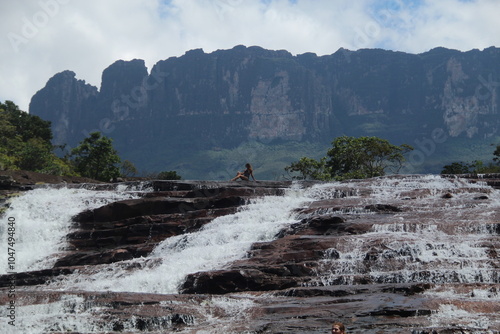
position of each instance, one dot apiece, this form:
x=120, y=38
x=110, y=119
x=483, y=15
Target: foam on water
x=42, y=220
x=222, y=241
x=446, y=249
x=222, y=313
x=225, y=239
x=73, y=314
x=449, y=314
x=408, y=252
x=66, y=315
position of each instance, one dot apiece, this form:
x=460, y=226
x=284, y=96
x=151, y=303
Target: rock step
x=491, y=179
x=160, y=313
x=125, y=209
x=127, y=229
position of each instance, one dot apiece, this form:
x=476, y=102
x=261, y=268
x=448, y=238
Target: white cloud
x=456, y=24
x=43, y=37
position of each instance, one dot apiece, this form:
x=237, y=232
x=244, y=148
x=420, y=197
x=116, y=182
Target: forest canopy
x=25, y=143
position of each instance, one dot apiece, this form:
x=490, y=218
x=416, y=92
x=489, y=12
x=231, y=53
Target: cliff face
x=65, y=101
x=224, y=98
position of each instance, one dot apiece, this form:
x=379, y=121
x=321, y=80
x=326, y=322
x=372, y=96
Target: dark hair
x=247, y=165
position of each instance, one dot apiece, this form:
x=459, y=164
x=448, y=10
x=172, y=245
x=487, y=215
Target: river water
x=449, y=246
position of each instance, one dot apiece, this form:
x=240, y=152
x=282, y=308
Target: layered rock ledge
x=381, y=255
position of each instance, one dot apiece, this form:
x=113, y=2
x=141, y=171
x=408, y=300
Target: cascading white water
x=409, y=248
x=435, y=250
x=222, y=241
x=42, y=219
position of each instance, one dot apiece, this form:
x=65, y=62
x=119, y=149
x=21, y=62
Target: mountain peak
x=223, y=99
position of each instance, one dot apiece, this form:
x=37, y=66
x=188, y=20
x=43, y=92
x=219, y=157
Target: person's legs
x=238, y=175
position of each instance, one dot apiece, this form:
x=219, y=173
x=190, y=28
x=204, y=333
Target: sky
x=40, y=38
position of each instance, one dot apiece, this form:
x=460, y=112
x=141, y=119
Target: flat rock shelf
x=397, y=254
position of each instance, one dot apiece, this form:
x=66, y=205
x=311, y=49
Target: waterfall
x=447, y=245
x=436, y=249
x=443, y=243
x=42, y=219
x=218, y=243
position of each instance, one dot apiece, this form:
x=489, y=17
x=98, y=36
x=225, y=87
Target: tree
x=10, y=142
x=25, y=142
x=35, y=155
x=363, y=157
x=128, y=169
x=353, y=158
x=309, y=169
x=96, y=158
x=457, y=168
x=27, y=126
x=497, y=154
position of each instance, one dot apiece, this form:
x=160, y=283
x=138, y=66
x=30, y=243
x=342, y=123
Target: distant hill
x=206, y=114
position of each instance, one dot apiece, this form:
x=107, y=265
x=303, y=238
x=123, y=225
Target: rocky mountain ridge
x=220, y=100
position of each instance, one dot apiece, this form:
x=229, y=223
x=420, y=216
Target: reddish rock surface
x=357, y=254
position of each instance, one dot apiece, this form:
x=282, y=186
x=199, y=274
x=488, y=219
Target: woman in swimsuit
x=245, y=175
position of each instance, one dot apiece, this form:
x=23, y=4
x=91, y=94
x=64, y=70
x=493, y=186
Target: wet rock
x=94, y=258
x=228, y=281
x=132, y=228
x=324, y=224
x=389, y=264
x=382, y=208
x=482, y=197
x=7, y=182
x=388, y=312
x=38, y=277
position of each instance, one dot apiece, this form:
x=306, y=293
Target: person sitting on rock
x=338, y=328
x=245, y=175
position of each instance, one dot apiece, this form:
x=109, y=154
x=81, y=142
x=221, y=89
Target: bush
x=170, y=175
